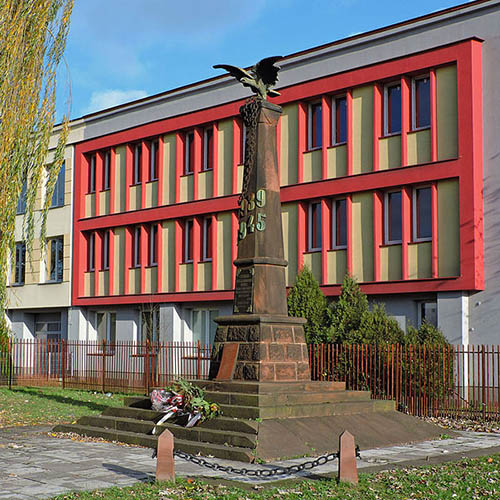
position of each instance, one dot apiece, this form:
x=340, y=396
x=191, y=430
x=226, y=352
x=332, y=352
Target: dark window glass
x=394, y=221
x=92, y=173
x=58, y=195
x=316, y=128
x=137, y=163
x=394, y=109
x=21, y=203
x=208, y=149
x=423, y=102
x=315, y=226
x=136, y=257
x=56, y=255
x=206, y=239
x=340, y=120
x=154, y=159
x=91, y=252
x=106, y=170
x=105, y=250
x=424, y=212
x=188, y=241
x=339, y=230
x=189, y=157
x=20, y=265
x=153, y=240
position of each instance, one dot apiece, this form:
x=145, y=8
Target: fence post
x=198, y=361
x=63, y=364
x=103, y=373
x=483, y=382
x=146, y=367
x=11, y=361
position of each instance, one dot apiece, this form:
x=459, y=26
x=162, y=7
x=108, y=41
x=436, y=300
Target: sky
x=122, y=50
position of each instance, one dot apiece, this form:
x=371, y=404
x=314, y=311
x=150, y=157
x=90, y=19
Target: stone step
x=286, y=398
x=198, y=433
x=222, y=422
x=269, y=387
x=307, y=410
x=194, y=447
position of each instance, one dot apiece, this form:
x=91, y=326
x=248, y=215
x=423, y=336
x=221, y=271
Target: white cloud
x=103, y=99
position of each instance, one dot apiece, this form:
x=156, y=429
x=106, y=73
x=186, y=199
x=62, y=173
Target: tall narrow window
x=208, y=148
x=20, y=265
x=106, y=328
x=136, y=253
x=421, y=102
x=339, y=223
x=91, y=252
x=315, y=125
x=339, y=120
x=206, y=239
x=58, y=195
x=105, y=250
x=422, y=214
x=92, y=173
x=21, y=203
x=153, y=245
x=55, y=258
x=392, y=109
x=393, y=219
x=314, y=227
x=106, y=170
x=188, y=241
x=189, y=153
x=137, y=163
x=154, y=160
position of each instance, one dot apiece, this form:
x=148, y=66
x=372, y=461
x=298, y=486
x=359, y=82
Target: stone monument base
x=271, y=348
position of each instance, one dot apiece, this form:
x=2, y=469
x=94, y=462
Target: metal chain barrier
x=275, y=471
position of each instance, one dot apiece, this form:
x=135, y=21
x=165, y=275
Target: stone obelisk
x=270, y=345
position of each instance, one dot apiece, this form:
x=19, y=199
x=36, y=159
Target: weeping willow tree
x=32, y=40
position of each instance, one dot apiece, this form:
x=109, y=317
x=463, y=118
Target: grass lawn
x=468, y=479
x=37, y=406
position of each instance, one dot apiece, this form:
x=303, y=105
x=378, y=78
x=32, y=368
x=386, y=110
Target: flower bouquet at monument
x=184, y=403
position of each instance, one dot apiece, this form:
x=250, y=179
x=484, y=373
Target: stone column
x=271, y=345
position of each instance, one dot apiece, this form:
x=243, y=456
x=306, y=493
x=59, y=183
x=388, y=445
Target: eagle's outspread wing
x=267, y=71
x=238, y=73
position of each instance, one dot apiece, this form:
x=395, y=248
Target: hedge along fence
x=425, y=380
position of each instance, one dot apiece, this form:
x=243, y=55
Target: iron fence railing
x=452, y=381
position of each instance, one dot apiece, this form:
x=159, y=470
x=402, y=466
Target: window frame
x=58, y=269
x=154, y=159
x=91, y=252
x=110, y=332
x=414, y=107
x=387, y=240
x=311, y=145
x=153, y=245
x=415, y=215
x=334, y=220
x=21, y=202
x=59, y=188
x=206, y=239
x=137, y=164
x=310, y=228
x=387, y=105
x=105, y=250
x=92, y=173
x=106, y=170
x=189, y=153
x=334, y=127
x=187, y=241
x=136, y=247
x=20, y=264
x=208, y=150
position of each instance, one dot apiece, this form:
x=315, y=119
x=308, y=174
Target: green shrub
x=306, y=300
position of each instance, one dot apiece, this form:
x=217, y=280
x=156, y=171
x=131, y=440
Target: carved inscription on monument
x=244, y=290
x=252, y=216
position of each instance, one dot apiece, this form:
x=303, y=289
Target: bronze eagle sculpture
x=260, y=78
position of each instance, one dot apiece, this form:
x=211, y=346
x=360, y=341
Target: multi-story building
x=383, y=176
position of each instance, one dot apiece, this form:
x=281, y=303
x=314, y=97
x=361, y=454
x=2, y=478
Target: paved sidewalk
x=35, y=465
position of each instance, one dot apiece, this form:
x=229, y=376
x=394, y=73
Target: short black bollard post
x=165, y=466
x=348, y=471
